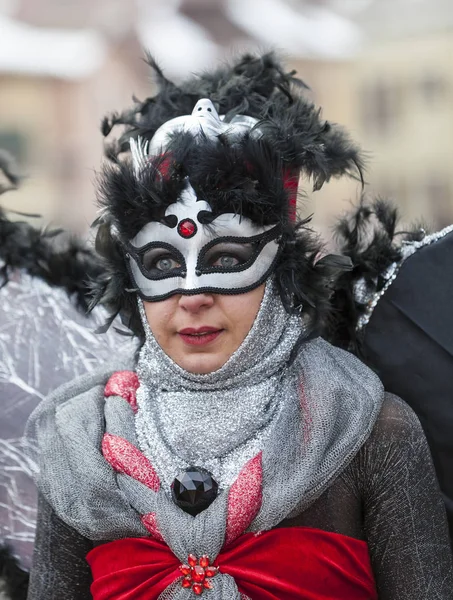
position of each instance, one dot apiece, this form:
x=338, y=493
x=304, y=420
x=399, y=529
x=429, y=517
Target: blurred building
x=56, y=83
x=381, y=68
x=81, y=59
x=404, y=99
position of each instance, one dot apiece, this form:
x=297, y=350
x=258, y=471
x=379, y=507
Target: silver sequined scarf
x=220, y=420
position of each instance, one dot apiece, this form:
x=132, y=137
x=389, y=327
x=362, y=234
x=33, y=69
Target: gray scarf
x=220, y=420
x=312, y=417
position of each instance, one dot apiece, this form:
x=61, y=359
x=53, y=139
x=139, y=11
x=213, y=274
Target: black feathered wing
x=394, y=309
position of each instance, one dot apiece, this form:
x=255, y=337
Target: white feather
x=139, y=152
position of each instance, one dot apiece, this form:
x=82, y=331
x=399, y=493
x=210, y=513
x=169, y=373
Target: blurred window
x=211, y=15
x=66, y=165
x=432, y=88
x=14, y=142
x=393, y=189
x=381, y=105
x=439, y=199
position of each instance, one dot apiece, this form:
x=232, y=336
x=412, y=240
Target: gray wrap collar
x=220, y=420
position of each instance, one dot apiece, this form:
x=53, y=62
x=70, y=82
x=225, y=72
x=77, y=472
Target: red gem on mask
x=187, y=228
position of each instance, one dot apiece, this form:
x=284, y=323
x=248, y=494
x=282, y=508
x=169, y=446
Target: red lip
x=199, y=337
x=192, y=331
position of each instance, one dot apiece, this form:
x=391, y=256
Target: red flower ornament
x=198, y=574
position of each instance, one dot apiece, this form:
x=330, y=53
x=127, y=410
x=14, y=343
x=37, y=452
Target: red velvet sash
x=291, y=563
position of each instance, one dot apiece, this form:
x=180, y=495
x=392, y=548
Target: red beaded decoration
x=197, y=574
x=187, y=582
x=187, y=228
x=211, y=571
x=192, y=560
x=204, y=561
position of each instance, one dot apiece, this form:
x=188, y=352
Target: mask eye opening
x=246, y=250
x=162, y=250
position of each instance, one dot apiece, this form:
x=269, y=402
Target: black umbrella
x=394, y=310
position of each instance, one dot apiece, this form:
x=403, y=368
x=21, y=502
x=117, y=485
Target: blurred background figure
x=379, y=67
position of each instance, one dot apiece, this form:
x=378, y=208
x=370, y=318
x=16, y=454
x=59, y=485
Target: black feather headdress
x=255, y=177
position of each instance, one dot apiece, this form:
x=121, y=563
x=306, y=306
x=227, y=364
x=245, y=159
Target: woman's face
x=202, y=331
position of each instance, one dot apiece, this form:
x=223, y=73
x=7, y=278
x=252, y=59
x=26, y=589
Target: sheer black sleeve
x=59, y=570
x=404, y=516
x=388, y=496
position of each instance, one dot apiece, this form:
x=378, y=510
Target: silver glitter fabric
x=229, y=413
x=389, y=276
x=387, y=495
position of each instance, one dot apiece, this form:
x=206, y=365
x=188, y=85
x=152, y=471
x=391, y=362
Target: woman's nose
x=196, y=302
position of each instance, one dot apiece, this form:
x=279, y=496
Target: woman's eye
x=228, y=255
x=166, y=264
x=159, y=259
x=226, y=261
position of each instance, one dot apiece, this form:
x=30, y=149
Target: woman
x=239, y=455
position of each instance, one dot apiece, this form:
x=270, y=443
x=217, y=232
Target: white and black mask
x=191, y=253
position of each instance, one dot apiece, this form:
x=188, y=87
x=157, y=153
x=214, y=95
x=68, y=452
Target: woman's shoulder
x=396, y=449
x=80, y=399
x=96, y=378
x=396, y=423
x=396, y=433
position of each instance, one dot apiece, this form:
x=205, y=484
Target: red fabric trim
x=244, y=498
x=291, y=563
x=132, y=569
x=124, y=384
x=291, y=183
x=150, y=522
x=124, y=457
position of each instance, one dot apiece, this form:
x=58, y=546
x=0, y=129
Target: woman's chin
x=202, y=363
